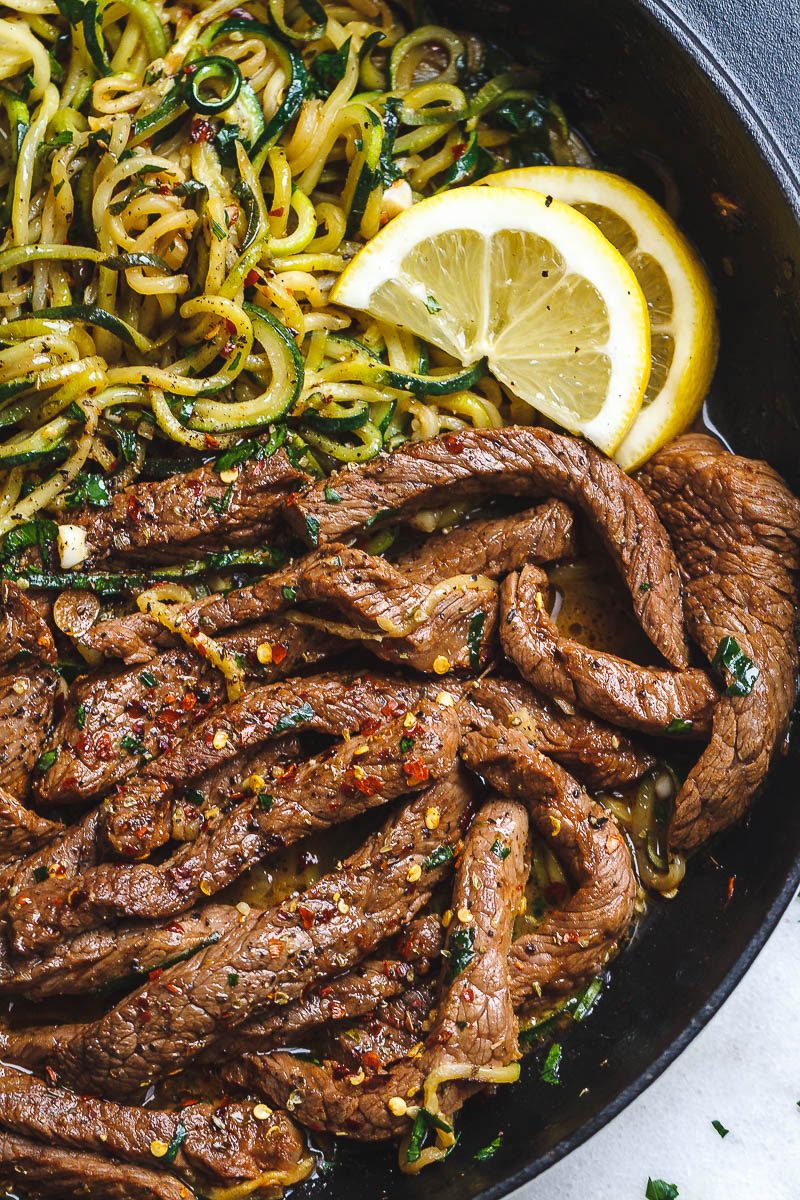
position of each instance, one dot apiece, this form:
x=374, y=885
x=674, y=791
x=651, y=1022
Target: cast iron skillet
x=633, y=79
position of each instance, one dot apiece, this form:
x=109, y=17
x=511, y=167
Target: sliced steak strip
x=647, y=699
x=190, y=509
x=600, y=755
x=55, y=1173
x=67, y=854
x=575, y=941
x=29, y=685
x=495, y=546
x=21, y=830
x=736, y=530
x=205, y=1143
x=138, y=817
x=516, y=460
x=116, y=719
x=115, y=959
x=345, y=997
x=475, y=1027
x=274, y=955
x=363, y=772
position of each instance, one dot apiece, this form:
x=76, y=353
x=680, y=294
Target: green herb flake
x=440, y=856
x=646, y=586
x=312, y=529
x=89, y=489
x=46, y=760
x=490, y=1150
x=423, y=1122
x=133, y=744
x=460, y=951
x=331, y=495
x=657, y=1189
x=265, y=801
x=739, y=671
x=552, y=1065
x=221, y=506
x=328, y=69
x=289, y=593
x=178, y=1138
x=500, y=849
x=381, y=515
x=432, y=304
x=148, y=679
x=720, y=1128
x=40, y=874
x=290, y=720
x=233, y=979
x=219, y=233
x=406, y=744
x=475, y=639
x=80, y=716
x=679, y=725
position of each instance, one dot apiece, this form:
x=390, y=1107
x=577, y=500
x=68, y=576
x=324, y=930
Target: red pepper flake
x=277, y=212
x=279, y=652
x=730, y=889
x=458, y=149
x=392, y=708
x=173, y=989
x=369, y=726
x=103, y=746
x=275, y=947
x=51, y=1074
x=171, y=720
x=154, y=975
x=164, y=189
x=211, y=442
x=188, y=702
x=416, y=771
x=201, y=131
x=468, y=994
x=356, y=781
x=252, y=279
x=134, y=508
x=454, y=443
x=306, y=915
x=371, y=1061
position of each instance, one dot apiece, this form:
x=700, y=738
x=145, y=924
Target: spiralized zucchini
x=180, y=186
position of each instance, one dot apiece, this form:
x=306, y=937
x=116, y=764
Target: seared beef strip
x=138, y=816
x=647, y=699
x=736, y=530
x=114, y=959
x=54, y=1173
x=116, y=718
x=515, y=460
x=361, y=773
x=495, y=546
x=189, y=510
x=22, y=830
x=575, y=941
x=475, y=1025
x=71, y=852
x=29, y=685
x=274, y=955
x=205, y=1143
x=601, y=756
x=345, y=997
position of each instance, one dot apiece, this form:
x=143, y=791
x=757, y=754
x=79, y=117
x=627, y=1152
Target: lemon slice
x=525, y=282
x=683, y=324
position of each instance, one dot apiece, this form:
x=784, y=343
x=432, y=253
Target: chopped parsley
x=289, y=593
x=440, y=856
x=80, y=716
x=265, y=801
x=406, y=744
x=312, y=529
x=40, y=874
x=331, y=495
x=46, y=760
x=148, y=679
x=490, y=1150
x=460, y=951
x=233, y=978
x=679, y=725
x=178, y=1138
x=223, y=504
x=551, y=1065
x=132, y=744
x=646, y=586
x=739, y=672
x=328, y=69
x=89, y=489
x=657, y=1189
x=290, y=720
x=500, y=849
x=381, y=515
x=474, y=639
x=720, y=1128
x=432, y=304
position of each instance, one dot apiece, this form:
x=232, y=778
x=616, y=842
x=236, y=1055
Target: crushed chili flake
x=201, y=131
x=306, y=915
x=416, y=771
x=371, y=1061
x=730, y=888
x=252, y=279
x=454, y=443
x=392, y=708
x=189, y=701
x=355, y=780
x=134, y=508
x=279, y=652
x=277, y=212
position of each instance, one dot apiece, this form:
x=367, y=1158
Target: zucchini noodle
x=157, y=602
x=180, y=187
